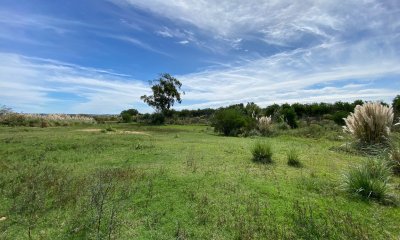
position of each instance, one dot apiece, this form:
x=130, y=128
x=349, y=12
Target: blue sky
x=97, y=56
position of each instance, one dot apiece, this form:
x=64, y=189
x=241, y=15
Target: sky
x=98, y=56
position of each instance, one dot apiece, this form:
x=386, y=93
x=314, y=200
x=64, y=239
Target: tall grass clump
x=293, y=158
x=370, y=123
x=369, y=180
x=262, y=152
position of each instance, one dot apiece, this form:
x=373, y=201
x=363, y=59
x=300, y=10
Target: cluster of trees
x=227, y=120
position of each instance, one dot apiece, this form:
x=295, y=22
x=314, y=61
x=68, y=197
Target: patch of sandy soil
x=89, y=130
x=134, y=132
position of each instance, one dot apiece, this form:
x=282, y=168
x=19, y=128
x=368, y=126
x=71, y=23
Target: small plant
x=293, y=158
x=262, y=152
x=370, y=123
x=369, y=180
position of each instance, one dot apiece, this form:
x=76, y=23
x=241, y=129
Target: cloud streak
x=36, y=85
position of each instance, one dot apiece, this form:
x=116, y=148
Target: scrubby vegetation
x=45, y=120
x=146, y=179
x=71, y=184
x=232, y=122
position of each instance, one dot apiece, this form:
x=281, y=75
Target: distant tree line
x=289, y=113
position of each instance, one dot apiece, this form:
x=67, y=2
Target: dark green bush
x=157, y=119
x=289, y=115
x=262, y=152
x=232, y=122
x=154, y=119
x=338, y=117
x=127, y=115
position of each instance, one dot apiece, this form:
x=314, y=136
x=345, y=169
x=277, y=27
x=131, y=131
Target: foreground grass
x=177, y=182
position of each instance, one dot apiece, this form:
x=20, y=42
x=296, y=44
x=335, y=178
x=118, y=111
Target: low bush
x=369, y=180
x=339, y=116
x=293, y=158
x=232, y=122
x=157, y=119
x=152, y=119
x=289, y=115
x=128, y=115
x=262, y=152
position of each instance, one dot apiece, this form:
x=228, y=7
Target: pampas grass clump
x=264, y=125
x=370, y=123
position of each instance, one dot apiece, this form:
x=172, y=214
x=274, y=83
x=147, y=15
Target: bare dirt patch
x=134, y=132
x=89, y=130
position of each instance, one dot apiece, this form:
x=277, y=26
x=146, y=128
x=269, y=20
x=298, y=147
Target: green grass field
x=178, y=182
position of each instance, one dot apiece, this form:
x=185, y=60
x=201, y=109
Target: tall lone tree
x=166, y=91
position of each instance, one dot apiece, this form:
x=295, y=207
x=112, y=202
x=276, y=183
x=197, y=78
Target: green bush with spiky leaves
x=262, y=152
x=369, y=180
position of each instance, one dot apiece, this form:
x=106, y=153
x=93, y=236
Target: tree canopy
x=166, y=91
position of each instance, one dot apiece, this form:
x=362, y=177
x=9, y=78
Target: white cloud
x=32, y=85
x=183, y=42
x=299, y=75
x=278, y=21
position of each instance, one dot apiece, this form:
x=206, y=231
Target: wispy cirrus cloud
x=41, y=85
x=325, y=72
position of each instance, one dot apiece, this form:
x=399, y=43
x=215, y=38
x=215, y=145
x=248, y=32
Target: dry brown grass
x=370, y=123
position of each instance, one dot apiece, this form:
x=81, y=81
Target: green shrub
x=232, y=122
x=339, y=116
x=369, y=180
x=157, y=119
x=127, y=115
x=262, y=152
x=293, y=158
x=289, y=115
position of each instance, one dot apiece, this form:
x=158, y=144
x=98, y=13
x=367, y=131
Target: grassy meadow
x=180, y=182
